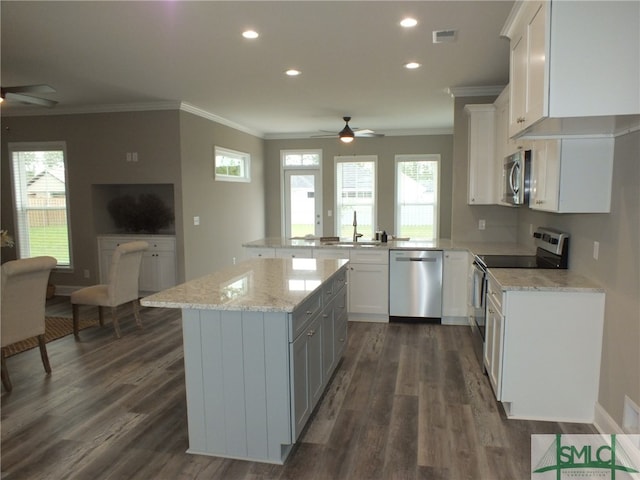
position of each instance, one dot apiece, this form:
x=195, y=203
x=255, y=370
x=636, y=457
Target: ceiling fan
x=22, y=94
x=347, y=134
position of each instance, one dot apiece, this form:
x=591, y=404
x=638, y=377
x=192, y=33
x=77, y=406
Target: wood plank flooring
x=408, y=401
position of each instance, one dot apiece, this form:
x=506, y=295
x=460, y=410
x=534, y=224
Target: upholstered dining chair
x=23, y=299
x=124, y=273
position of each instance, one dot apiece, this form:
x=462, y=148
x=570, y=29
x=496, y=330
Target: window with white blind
x=356, y=192
x=417, y=196
x=39, y=178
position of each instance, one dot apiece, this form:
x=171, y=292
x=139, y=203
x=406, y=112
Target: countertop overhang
x=260, y=284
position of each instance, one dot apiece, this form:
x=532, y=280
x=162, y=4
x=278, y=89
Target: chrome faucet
x=356, y=235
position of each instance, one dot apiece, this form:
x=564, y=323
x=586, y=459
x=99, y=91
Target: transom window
x=417, y=196
x=38, y=172
x=232, y=166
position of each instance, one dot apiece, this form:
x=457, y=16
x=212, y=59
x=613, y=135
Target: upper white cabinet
x=481, y=154
x=570, y=80
x=572, y=175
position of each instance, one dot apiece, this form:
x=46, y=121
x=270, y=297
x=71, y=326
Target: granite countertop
x=532, y=279
x=280, y=242
x=260, y=285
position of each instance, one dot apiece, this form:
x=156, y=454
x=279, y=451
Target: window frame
x=316, y=169
x=426, y=157
x=16, y=147
x=243, y=157
x=337, y=205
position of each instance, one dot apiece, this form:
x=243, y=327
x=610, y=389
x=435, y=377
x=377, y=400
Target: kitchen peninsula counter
x=261, y=341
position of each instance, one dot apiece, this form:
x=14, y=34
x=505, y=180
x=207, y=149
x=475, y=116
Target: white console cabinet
x=158, y=268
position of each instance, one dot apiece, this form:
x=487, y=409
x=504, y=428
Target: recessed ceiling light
x=250, y=34
x=408, y=22
x=292, y=72
x=412, y=65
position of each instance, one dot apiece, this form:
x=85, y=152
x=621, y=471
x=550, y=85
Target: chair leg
x=101, y=316
x=6, y=380
x=136, y=312
x=114, y=316
x=76, y=319
x=43, y=353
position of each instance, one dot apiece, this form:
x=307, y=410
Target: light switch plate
x=196, y=220
x=596, y=250
x=482, y=224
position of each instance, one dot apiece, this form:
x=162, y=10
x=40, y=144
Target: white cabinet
x=494, y=338
x=260, y=252
x=542, y=352
x=341, y=252
x=294, y=253
x=158, y=266
x=481, y=155
x=527, y=63
x=572, y=175
x=369, y=284
x=548, y=54
x=454, y=287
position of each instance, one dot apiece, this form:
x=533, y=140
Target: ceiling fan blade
x=368, y=133
x=19, y=97
x=29, y=89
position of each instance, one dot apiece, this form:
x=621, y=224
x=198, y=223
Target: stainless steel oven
x=552, y=252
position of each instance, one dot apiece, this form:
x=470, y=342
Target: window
x=417, y=196
x=232, y=166
x=356, y=192
x=38, y=172
x=302, y=193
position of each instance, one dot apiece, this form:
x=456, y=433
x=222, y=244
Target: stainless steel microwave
x=516, y=178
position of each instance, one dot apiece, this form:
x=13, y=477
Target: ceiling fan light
x=346, y=139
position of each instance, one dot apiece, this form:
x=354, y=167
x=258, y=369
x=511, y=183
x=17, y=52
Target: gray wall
x=96, y=154
x=385, y=148
x=617, y=270
x=501, y=222
x=231, y=213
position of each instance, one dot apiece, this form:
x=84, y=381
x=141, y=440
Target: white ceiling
x=107, y=56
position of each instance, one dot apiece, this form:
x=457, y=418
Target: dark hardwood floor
x=408, y=401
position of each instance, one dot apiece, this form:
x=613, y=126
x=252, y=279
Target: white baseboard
x=604, y=423
x=366, y=317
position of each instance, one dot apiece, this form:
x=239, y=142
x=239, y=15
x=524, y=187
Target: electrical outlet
x=596, y=250
x=329, y=213
x=87, y=273
x=630, y=416
x=196, y=220
x=482, y=225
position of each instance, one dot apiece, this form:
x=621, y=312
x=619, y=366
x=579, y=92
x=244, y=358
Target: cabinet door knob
x=309, y=312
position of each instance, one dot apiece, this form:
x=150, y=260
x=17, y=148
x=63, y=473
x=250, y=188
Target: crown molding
x=107, y=108
x=186, y=107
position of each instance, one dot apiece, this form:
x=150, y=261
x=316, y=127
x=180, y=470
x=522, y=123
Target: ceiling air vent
x=444, y=36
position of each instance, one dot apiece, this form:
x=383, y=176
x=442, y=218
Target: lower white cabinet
x=542, y=352
x=158, y=267
x=369, y=285
x=455, y=273
x=257, y=252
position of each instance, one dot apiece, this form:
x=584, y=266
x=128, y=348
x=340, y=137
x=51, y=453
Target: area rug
x=55, y=327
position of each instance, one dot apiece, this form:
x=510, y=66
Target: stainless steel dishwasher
x=415, y=283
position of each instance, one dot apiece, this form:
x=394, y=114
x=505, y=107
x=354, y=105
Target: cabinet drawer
x=163, y=244
x=304, y=313
x=369, y=255
x=494, y=293
x=294, y=253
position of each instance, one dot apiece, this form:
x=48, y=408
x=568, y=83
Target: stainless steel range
x=552, y=252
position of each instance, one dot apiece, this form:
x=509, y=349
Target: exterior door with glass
x=303, y=203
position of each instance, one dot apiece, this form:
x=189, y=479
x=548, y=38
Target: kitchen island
x=261, y=341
